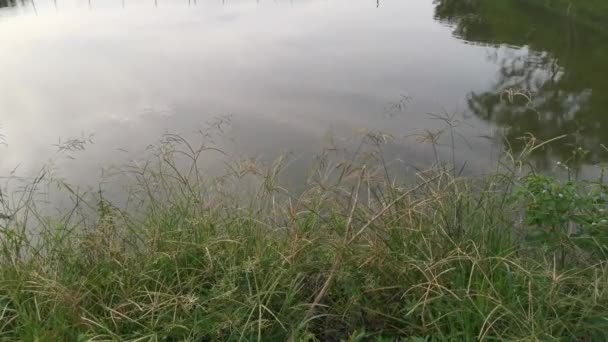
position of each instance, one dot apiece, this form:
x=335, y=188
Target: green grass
x=353, y=256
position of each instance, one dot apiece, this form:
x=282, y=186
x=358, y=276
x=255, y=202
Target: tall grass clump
x=355, y=254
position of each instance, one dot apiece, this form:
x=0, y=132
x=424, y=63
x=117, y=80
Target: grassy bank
x=354, y=256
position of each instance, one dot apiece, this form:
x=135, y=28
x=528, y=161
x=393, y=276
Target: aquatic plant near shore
x=354, y=255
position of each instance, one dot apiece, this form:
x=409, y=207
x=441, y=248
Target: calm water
x=291, y=73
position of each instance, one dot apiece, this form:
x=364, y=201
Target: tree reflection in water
x=552, y=70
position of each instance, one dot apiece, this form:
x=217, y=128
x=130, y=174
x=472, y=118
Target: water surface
x=291, y=73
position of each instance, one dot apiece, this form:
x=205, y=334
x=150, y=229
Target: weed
x=355, y=255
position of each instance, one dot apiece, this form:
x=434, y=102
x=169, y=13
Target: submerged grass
x=355, y=255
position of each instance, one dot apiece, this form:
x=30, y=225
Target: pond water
x=289, y=74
